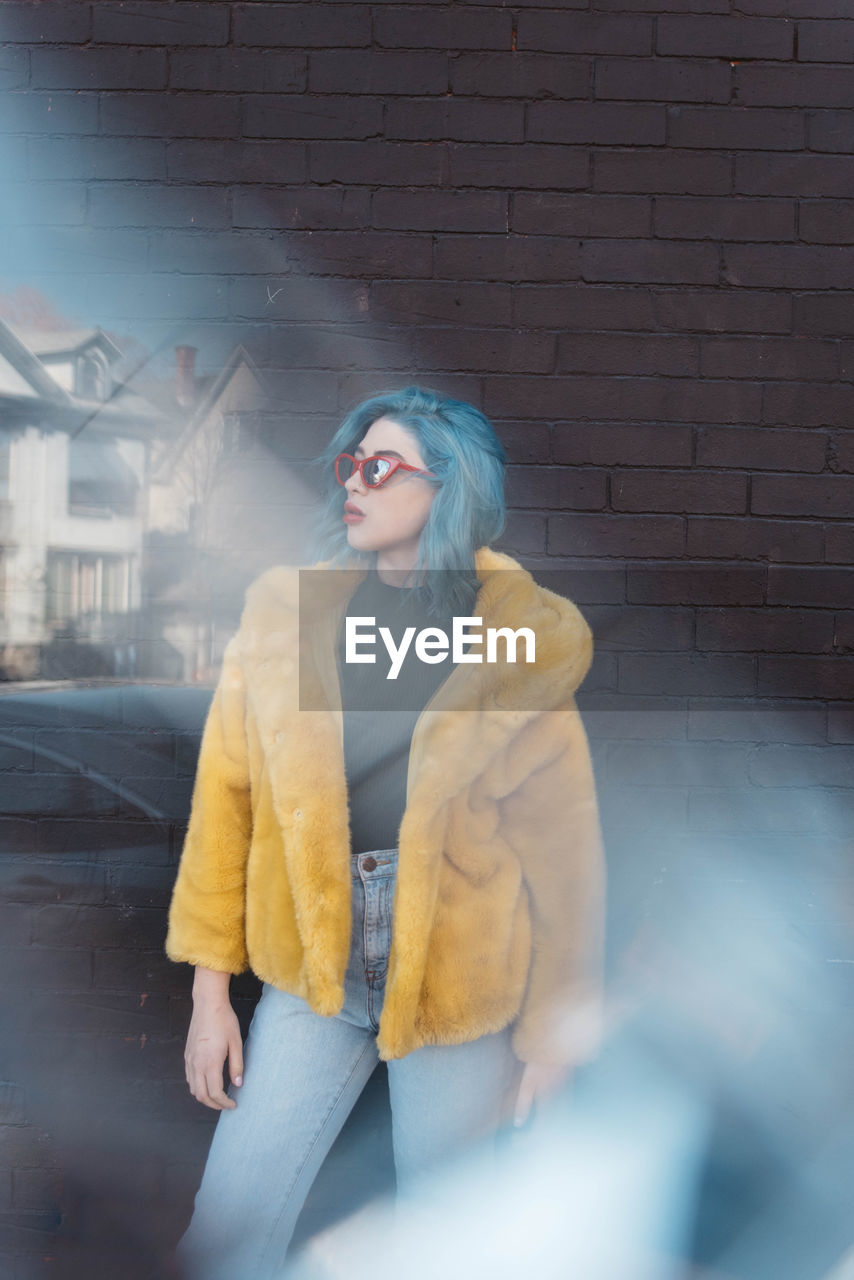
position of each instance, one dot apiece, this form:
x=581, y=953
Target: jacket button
x=297, y=813
x=369, y=864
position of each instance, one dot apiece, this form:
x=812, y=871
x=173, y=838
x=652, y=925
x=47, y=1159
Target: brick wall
x=620, y=227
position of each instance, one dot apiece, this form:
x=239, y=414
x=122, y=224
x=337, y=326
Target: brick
x=300, y=25
x=98, y=68
x=818, y=586
x=375, y=162
x=769, y=358
x=840, y=722
x=59, y=968
x=683, y=172
x=475, y=211
x=513, y=74
x=695, y=584
x=485, y=349
x=688, y=765
x=618, y=717
x=103, y=926
x=159, y=296
x=531, y=164
x=788, y=766
x=601, y=444
x=239, y=71
x=52, y=22
x=231, y=162
x=142, y=23
x=765, y=630
x=36, y=880
x=428, y=301
x=296, y=299
x=826, y=221
x=203, y=252
x=786, y=811
x=843, y=449
x=524, y=532
x=155, y=205
x=823, y=314
x=838, y=544
x=776, y=175
x=807, y=404
x=299, y=115
x=55, y=204
x=687, y=674
x=722, y=311
x=583, y=307
x=620, y=627
x=659, y=80
x=14, y=67
x=425, y=27
x=55, y=113
x=600, y=123
x=657, y=399
x=170, y=115
x=84, y=158
x=649, y=260
x=725, y=37
x=761, y=448
x=585, y=584
x=608, y=535
x=508, y=257
x=744, y=128
x=695, y=218
x=375, y=71
x=561, y=487
x=662, y=6
x=830, y=131
x=678, y=491
x=756, y=720
x=760, y=539
x=119, y=969
x=788, y=266
x=826, y=41
x=807, y=677
x=317, y=346
x=619, y=353
x=789, y=85
x=461, y=119
x=557, y=32
x=803, y=495
x=559, y=213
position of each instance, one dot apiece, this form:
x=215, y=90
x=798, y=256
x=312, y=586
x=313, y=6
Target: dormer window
x=92, y=376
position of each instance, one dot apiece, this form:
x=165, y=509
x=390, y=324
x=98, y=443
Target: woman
x=421, y=884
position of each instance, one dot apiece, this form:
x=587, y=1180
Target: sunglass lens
x=376, y=470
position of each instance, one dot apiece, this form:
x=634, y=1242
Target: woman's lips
x=352, y=517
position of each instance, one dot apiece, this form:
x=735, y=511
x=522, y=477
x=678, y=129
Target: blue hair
x=459, y=444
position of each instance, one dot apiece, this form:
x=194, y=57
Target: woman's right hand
x=214, y=1034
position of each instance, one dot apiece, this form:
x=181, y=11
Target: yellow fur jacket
x=499, y=896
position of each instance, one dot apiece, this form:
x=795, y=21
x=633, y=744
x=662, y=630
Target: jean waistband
x=374, y=863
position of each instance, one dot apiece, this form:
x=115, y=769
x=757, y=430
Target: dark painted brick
x=476, y=211
x=375, y=162
x=558, y=213
x=789, y=811
x=485, y=349
x=826, y=221
x=420, y=301
x=15, y=67
x=690, y=673
x=658, y=399
x=659, y=80
x=607, y=535
x=838, y=544
x=649, y=260
x=120, y=969
x=85, y=158
x=807, y=404
x=60, y=968
x=807, y=677
x=739, y=539
x=299, y=115
x=525, y=532
x=376, y=71
x=823, y=314
x=518, y=74
x=461, y=119
x=170, y=115
x=203, y=252
x=745, y=128
x=659, y=764
x=662, y=6
x=596, y=122
x=696, y=584
x=840, y=722
x=803, y=495
x=584, y=32
x=765, y=630
x=826, y=41
x=531, y=164
x=829, y=587
x=245, y=161
x=768, y=358
x=618, y=353
x=581, y=306
x=621, y=627
x=843, y=451
x=776, y=175
x=787, y=766
x=300, y=25
x=508, y=257
x=667, y=169
x=640, y=810
x=98, y=68
x=48, y=22
x=154, y=205
x=725, y=37
x=763, y=84
x=561, y=487
x=678, y=491
x=762, y=448
x=623, y=445
x=830, y=131
x=43, y=204
x=297, y=299
x=722, y=311
x=755, y=720
x=239, y=71
x=105, y=926
x=721, y=218
x=423, y=27
x=788, y=266
x=143, y=23
x=49, y=113
x=524, y=442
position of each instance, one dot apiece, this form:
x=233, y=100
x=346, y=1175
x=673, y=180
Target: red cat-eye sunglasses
x=373, y=472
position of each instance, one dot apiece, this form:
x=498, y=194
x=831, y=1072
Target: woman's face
x=394, y=514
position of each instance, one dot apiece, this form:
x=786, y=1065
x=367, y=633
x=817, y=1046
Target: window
x=100, y=481
x=86, y=584
x=92, y=376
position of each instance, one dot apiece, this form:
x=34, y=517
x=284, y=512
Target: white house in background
x=73, y=473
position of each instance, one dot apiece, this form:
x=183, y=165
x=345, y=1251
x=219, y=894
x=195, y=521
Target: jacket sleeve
x=552, y=821
x=206, y=913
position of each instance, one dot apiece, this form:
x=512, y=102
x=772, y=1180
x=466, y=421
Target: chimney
x=185, y=375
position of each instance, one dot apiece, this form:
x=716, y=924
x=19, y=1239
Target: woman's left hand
x=539, y=1080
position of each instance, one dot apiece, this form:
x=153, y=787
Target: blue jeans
x=302, y=1075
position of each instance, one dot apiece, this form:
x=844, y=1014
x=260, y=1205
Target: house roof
x=64, y=342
